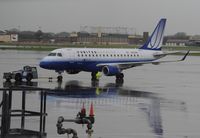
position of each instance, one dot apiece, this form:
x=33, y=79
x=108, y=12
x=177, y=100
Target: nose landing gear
x=60, y=77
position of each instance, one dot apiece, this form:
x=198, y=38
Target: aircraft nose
x=43, y=64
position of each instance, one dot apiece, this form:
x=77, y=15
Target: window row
x=107, y=55
x=93, y=52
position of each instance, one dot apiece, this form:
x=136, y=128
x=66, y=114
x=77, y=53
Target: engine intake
x=111, y=70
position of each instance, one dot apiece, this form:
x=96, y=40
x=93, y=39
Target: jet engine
x=111, y=70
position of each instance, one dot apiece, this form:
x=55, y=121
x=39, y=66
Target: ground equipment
x=27, y=73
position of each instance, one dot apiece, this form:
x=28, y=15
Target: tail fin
x=155, y=40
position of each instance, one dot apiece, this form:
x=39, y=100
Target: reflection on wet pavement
x=153, y=102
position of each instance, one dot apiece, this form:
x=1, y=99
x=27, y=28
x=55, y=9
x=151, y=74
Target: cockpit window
x=55, y=54
x=59, y=54
x=52, y=54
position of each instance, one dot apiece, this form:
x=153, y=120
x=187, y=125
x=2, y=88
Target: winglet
x=185, y=55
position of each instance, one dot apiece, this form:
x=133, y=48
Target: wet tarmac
x=154, y=101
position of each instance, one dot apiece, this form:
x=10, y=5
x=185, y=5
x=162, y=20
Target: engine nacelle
x=72, y=71
x=111, y=70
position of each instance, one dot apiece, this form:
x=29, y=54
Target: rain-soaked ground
x=154, y=101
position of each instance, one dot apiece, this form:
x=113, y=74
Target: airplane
x=110, y=61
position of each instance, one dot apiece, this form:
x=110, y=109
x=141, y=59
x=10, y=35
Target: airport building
x=108, y=36
x=176, y=42
x=194, y=40
x=86, y=36
x=4, y=37
x=101, y=38
x=182, y=41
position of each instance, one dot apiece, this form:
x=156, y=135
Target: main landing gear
x=120, y=78
x=95, y=76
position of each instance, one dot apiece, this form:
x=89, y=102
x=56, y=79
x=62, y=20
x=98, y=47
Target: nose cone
x=44, y=64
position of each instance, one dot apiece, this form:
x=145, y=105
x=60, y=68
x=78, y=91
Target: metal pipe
x=23, y=109
x=61, y=130
x=44, y=116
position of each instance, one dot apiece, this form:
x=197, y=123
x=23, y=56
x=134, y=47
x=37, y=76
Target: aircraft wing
x=165, y=53
x=126, y=65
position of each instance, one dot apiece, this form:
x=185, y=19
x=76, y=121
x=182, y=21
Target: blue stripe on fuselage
x=89, y=66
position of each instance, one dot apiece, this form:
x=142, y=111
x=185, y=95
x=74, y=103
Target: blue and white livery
x=110, y=61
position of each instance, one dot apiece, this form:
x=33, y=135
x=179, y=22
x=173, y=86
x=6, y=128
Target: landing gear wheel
x=93, y=74
x=18, y=77
x=119, y=79
x=29, y=77
x=8, y=79
x=59, y=78
x=119, y=82
x=120, y=76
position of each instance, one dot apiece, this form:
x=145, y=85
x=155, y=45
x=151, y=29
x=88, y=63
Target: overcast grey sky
x=69, y=15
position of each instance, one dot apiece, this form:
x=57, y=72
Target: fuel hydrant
x=81, y=118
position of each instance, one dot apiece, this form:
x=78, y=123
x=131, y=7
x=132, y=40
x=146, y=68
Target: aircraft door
x=70, y=55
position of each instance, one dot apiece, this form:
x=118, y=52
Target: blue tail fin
x=155, y=40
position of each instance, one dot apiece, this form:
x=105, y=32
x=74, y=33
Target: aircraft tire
x=119, y=82
x=8, y=79
x=18, y=77
x=93, y=75
x=29, y=77
x=120, y=76
x=59, y=78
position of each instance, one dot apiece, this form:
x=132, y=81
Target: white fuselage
x=86, y=59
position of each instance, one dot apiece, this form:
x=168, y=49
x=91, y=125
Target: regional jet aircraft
x=110, y=61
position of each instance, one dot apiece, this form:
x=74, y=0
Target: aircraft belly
x=90, y=67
